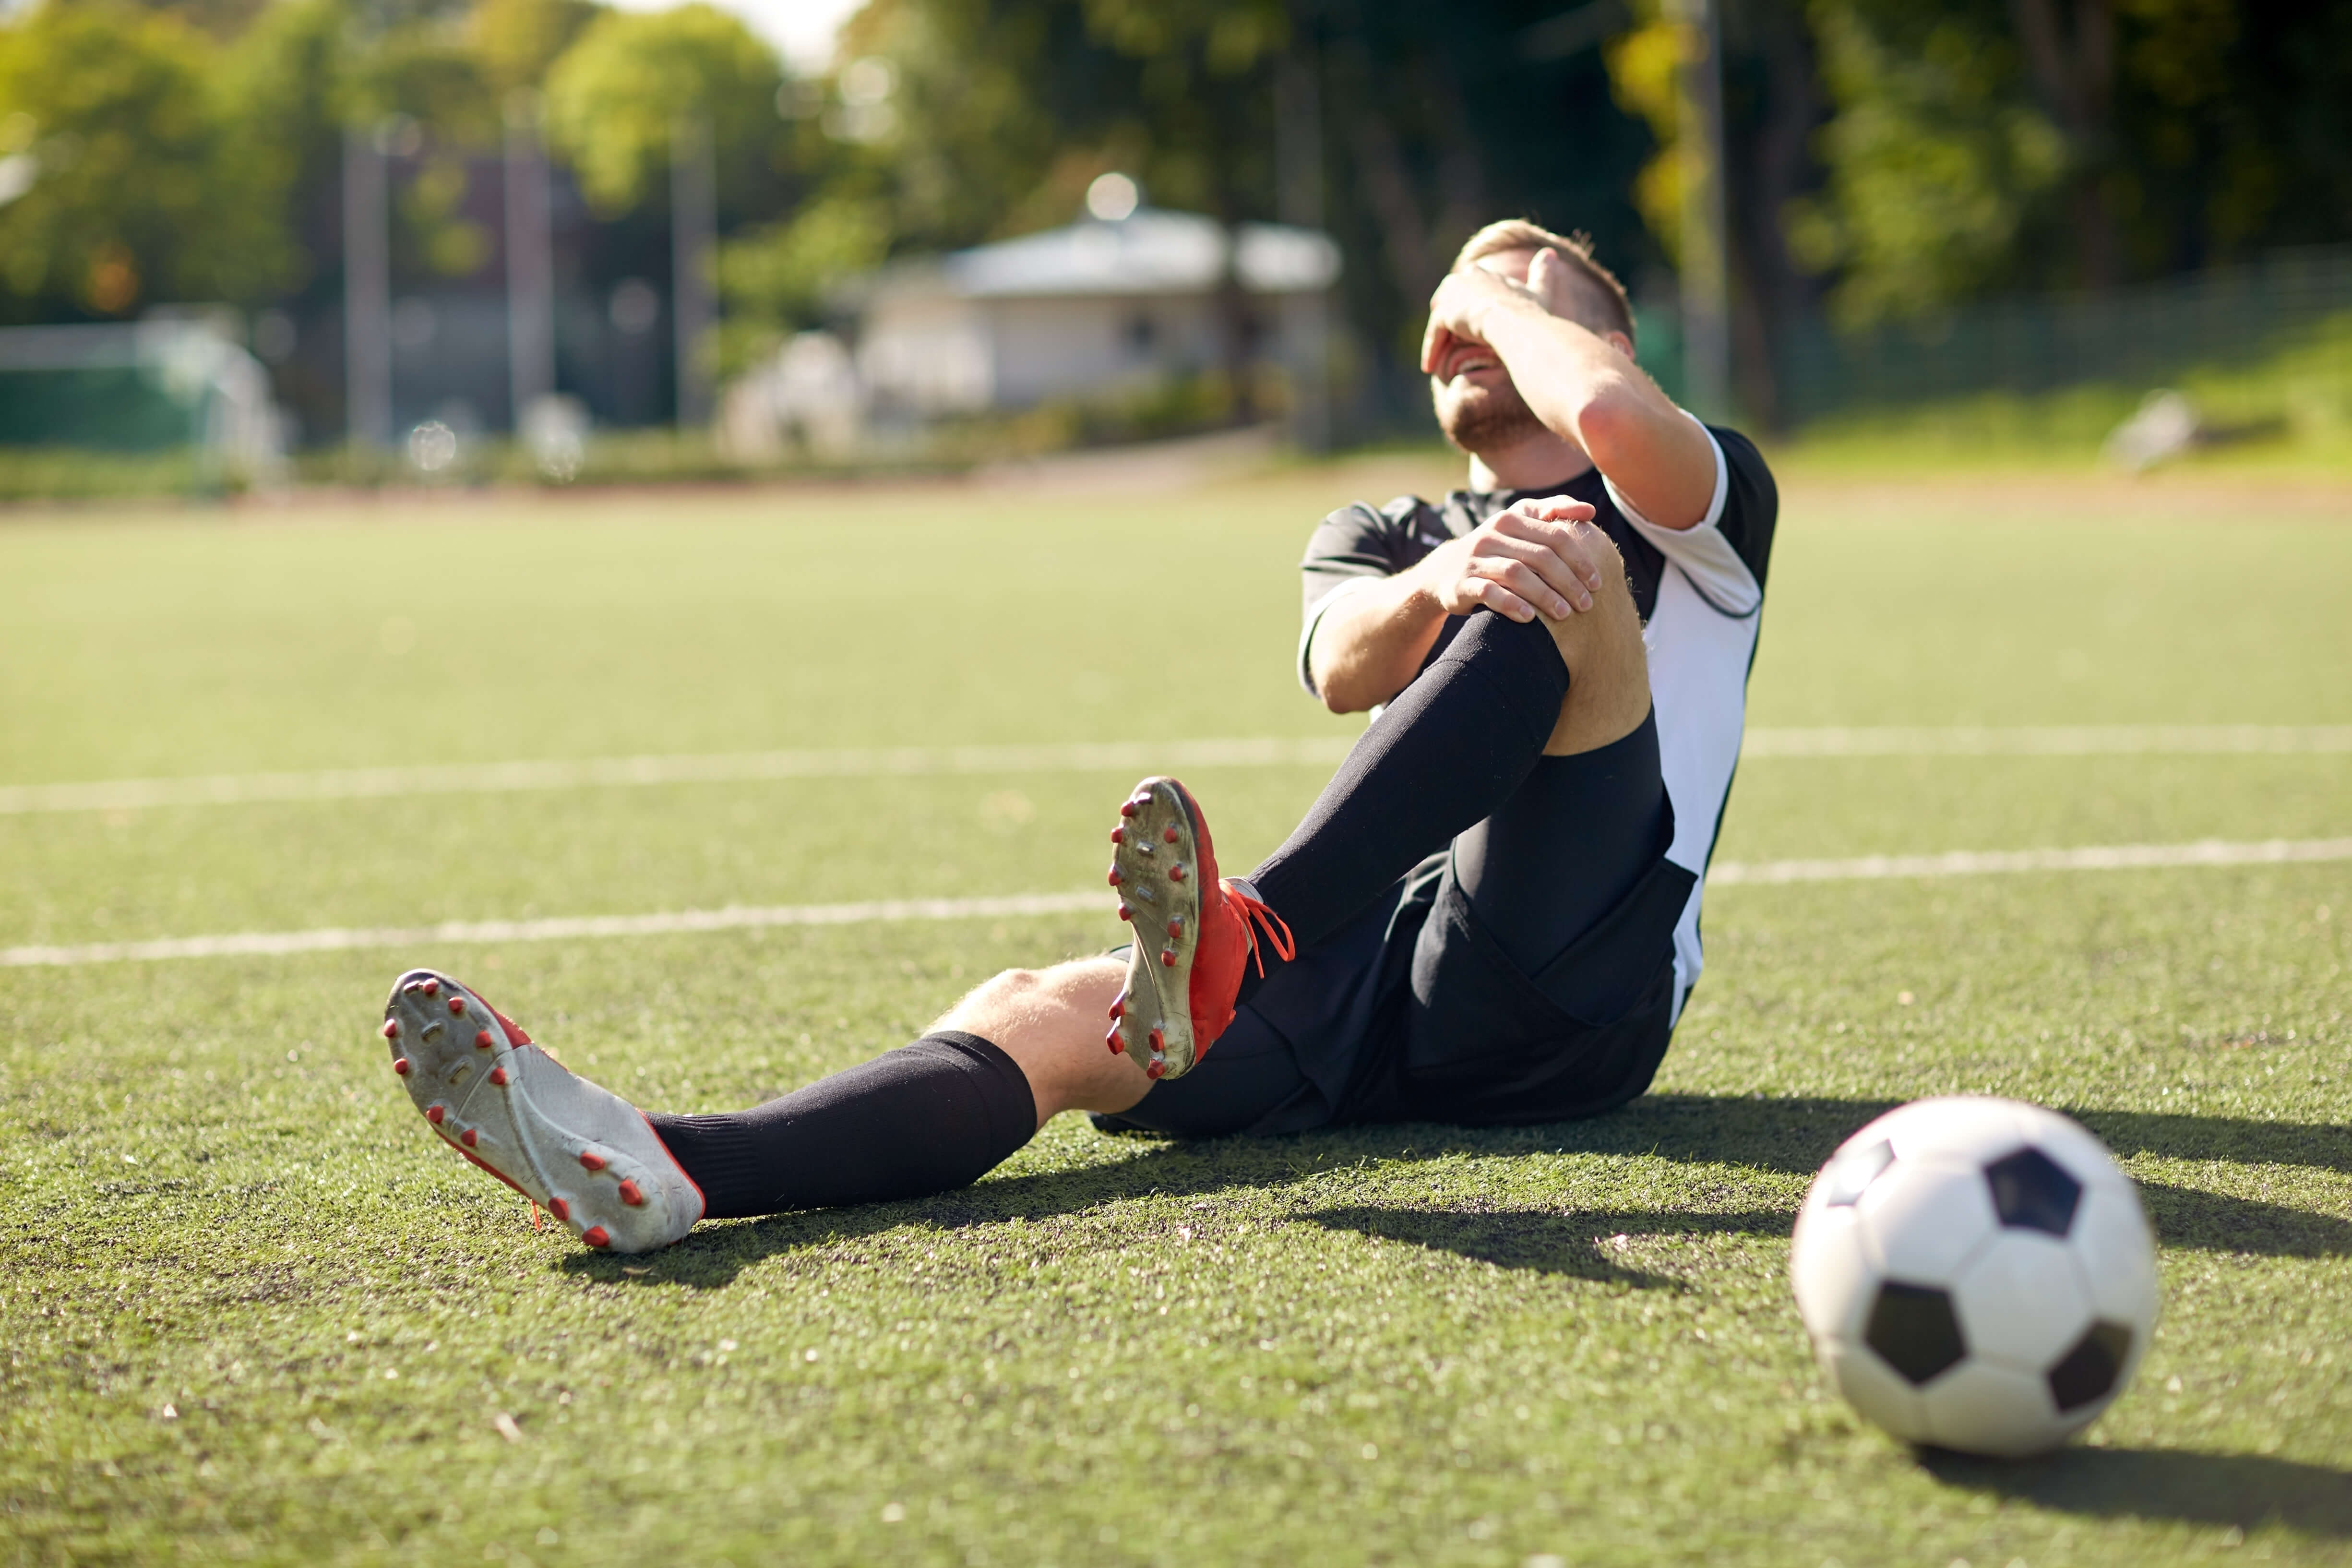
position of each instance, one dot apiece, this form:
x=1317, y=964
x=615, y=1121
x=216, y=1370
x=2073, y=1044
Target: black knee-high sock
x=1447, y=753
x=923, y=1119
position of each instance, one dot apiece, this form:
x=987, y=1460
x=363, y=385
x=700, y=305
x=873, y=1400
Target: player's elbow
x=1611, y=423
x=1338, y=694
x=1342, y=688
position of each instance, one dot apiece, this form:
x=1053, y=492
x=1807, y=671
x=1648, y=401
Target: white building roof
x=1151, y=252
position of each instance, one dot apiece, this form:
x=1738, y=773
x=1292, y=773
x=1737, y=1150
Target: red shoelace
x=1255, y=915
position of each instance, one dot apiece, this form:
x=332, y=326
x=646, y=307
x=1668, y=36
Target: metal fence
x=2134, y=338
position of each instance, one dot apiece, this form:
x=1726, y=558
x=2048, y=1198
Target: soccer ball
x=1976, y=1274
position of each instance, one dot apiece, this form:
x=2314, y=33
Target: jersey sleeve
x=1353, y=548
x=1726, y=553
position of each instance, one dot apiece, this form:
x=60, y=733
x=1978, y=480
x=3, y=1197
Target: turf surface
x=250, y=1311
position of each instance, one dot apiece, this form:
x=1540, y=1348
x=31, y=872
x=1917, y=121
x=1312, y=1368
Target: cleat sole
x=1157, y=1004
x=524, y=1118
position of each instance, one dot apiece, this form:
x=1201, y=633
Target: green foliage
x=519, y=39
x=2142, y=137
x=777, y=277
x=420, y=72
x=130, y=200
x=615, y=98
x=1935, y=163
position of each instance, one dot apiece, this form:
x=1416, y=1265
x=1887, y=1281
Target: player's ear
x=1620, y=343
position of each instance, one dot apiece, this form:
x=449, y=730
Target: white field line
x=2054, y=741
x=1116, y=756
x=726, y=767
x=1866, y=868
x=1993, y=862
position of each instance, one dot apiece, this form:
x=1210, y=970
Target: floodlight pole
x=1705, y=271
x=694, y=224
x=530, y=262
x=367, y=290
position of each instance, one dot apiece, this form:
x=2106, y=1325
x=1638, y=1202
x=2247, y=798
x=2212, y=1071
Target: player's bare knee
x=1609, y=670
x=1024, y=1000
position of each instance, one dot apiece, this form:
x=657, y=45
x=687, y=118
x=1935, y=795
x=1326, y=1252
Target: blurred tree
x=112, y=124
x=1986, y=144
x=1935, y=158
x=616, y=95
x=517, y=40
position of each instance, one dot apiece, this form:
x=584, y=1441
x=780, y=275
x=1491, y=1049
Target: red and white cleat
x=579, y=1151
x=1194, y=930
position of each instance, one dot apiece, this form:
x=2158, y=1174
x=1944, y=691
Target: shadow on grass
x=1577, y=1243
x=1784, y=1136
x=1795, y=1134
x=2247, y=1490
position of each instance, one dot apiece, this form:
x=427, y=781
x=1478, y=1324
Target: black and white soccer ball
x=1976, y=1274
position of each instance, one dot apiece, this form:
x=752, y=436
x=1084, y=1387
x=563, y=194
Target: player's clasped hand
x=1534, y=558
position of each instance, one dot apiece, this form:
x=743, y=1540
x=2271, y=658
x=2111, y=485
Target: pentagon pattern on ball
x=2088, y=1371
x=1915, y=1330
x=2032, y=1192
x=1850, y=1173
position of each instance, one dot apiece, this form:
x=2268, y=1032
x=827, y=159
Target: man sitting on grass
x=1489, y=916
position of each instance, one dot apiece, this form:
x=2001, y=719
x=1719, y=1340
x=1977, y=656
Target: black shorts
x=1414, y=1012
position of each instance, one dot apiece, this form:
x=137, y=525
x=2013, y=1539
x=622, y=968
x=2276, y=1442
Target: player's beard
x=1484, y=418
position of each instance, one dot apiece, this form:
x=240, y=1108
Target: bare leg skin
x=1609, y=672
x=1051, y=1021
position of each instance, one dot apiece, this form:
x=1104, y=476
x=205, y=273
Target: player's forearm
x=1580, y=385
x=1370, y=644
x=1583, y=388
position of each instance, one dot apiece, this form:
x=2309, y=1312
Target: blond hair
x=1616, y=311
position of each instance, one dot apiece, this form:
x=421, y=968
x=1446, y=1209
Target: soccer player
x=1490, y=915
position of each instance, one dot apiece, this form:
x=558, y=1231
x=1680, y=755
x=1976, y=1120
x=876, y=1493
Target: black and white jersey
x=1700, y=592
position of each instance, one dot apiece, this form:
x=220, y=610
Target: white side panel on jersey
x=1698, y=686
x=1700, y=639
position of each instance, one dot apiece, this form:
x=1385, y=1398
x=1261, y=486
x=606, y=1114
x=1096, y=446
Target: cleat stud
x=401, y=1066
x=1111, y=1039
x=1168, y=957
x=391, y=1028
x=559, y=1208
x=456, y=1005
x=431, y=988
x=1176, y=925
x=595, y=1236
x=1127, y=808
x=466, y=1137
x=1176, y=872
x=1155, y=1070
x=1157, y=1043
x=1124, y=913
x=1119, y=835
x=631, y=1194
x=499, y=1077
x=434, y=1113
x=482, y=1041
x=1118, y=1008
x=591, y=1161
x=1115, y=877
x=1169, y=833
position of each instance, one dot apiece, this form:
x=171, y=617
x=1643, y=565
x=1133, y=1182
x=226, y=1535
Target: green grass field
x=250, y=1310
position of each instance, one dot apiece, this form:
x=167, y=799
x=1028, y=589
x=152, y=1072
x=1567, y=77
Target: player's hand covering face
x=1454, y=342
